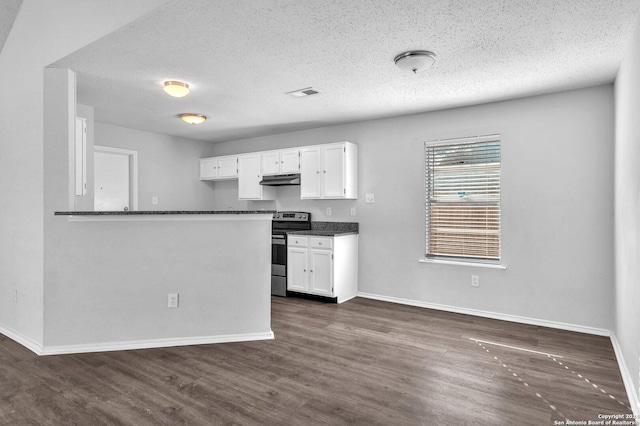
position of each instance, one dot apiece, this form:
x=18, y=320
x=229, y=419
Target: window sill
x=457, y=262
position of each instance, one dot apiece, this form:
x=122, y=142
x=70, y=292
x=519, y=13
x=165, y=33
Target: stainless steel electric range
x=284, y=222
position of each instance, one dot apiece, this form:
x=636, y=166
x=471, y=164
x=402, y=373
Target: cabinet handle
x=318, y=172
x=310, y=270
x=304, y=270
x=319, y=243
x=324, y=171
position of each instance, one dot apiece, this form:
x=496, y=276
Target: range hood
x=281, y=180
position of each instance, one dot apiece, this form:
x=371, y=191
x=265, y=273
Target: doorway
x=115, y=179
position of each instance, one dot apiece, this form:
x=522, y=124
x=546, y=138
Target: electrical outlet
x=154, y=200
x=369, y=198
x=353, y=211
x=475, y=281
x=328, y=212
x=173, y=300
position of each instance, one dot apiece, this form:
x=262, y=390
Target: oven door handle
x=278, y=239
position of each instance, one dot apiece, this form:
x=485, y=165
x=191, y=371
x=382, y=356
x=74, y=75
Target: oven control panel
x=291, y=216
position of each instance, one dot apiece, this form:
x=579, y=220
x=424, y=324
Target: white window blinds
x=463, y=198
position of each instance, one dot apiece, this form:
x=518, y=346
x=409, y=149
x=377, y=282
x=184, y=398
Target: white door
x=115, y=179
x=111, y=179
x=333, y=173
x=289, y=161
x=271, y=163
x=228, y=166
x=321, y=272
x=297, y=269
x=249, y=177
x=310, y=172
x=208, y=168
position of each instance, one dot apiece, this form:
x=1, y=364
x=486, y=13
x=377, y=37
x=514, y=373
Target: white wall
x=627, y=209
x=43, y=32
x=107, y=282
x=557, y=206
x=168, y=167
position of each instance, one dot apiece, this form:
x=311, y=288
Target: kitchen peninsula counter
x=159, y=212
x=112, y=274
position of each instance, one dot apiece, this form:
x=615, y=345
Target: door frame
x=133, y=170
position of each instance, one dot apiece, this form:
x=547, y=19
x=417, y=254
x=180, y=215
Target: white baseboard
x=347, y=298
x=38, y=349
x=25, y=341
x=492, y=315
x=632, y=394
x=154, y=343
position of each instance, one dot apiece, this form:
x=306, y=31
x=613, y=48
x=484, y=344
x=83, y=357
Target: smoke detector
x=415, y=61
x=303, y=92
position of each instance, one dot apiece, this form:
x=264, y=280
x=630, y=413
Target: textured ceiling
x=242, y=56
x=8, y=13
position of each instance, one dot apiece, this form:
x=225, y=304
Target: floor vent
x=304, y=92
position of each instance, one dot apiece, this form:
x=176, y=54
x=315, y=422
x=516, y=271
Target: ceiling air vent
x=304, y=92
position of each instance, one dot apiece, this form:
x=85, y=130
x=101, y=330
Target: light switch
x=172, y=301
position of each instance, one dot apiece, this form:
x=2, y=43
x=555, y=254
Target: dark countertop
x=319, y=233
x=161, y=212
x=330, y=229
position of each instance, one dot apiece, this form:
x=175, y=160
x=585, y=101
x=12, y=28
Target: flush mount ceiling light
x=193, y=118
x=177, y=89
x=415, y=61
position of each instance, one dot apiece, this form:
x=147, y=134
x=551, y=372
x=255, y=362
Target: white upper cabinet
x=290, y=161
x=329, y=171
x=310, y=168
x=228, y=167
x=271, y=163
x=208, y=168
x=280, y=162
x=249, y=177
x=213, y=168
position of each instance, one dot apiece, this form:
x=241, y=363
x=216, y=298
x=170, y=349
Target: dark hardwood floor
x=363, y=362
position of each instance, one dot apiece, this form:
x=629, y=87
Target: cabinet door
x=271, y=163
x=310, y=172
x=333, y=171
x=208, y=168
x=297, y=269
x=228, y=166
x=321, y=272
x=289, y=161
x=249, y=177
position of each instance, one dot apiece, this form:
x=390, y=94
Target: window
x=463, y=199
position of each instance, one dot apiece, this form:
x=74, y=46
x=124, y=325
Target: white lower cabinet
x=323, y=266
